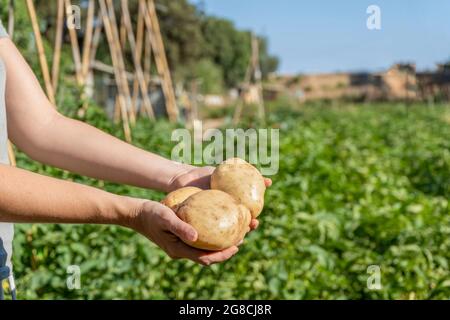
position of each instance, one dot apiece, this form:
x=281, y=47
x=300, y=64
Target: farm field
x=358, y=185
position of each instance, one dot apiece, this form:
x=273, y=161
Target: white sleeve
x=3, y=32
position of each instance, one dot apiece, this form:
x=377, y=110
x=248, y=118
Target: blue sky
x=329, y=35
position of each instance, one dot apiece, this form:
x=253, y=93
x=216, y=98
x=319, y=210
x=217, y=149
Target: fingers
x=207, y=170
x=254, y=224
x=204, y=257
x=268, y=182
x=172, y=229
x=219, y=256
x=177, y=226
x=198, y=177
x=202, y=177
x=183, y=230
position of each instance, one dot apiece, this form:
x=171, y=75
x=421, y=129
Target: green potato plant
x=359, y=185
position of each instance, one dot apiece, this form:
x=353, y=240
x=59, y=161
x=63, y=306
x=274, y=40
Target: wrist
x=192, y=176
x=175, y=182
x=125, y=210
x=163, y=174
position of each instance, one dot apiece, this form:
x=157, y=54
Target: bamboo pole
x=96, y=40
x=147, y=55
x=258, y=80
x=194, y=101
x=248, y=75
x=139, y=74
x=238, y=110
x=120, y=60
x=112, y=46
x=86, y=57
x=122, y=42
x=122, y=34
x=11, y=20
x=116, y=117
x=41, y=52
x=74, y=44
x=253, y=73
x=152, y=24
x=171, y=104
x=139, y=45
x=106, y=68
x=87, y=45
x=58, y=44
x=11, y=155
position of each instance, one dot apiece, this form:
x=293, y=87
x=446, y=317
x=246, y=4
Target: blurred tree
x=194, y=42
x=181, y=29
x=227, y=47
x=192, y=38
x=269, y=63
x=211, y=77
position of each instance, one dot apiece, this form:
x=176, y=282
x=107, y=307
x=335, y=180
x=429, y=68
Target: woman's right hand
x=163, y=227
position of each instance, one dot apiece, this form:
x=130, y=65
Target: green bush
x=211, y=77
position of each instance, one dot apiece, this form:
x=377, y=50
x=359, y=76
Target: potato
x=247, y=219
x=218, y=218
x=175, y=198
x=222, y=215
x=242, y=181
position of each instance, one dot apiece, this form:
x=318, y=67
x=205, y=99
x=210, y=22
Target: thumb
x=182, y=229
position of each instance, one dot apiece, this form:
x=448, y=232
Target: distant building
x=400, y=82
x=434, y=84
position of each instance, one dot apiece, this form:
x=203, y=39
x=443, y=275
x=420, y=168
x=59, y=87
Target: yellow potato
x=245, y=228
x=217, y=217
x=242, y=181
x=175, y=198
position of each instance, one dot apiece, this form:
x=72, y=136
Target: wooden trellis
x=145, y=42
x=253, y=77
x=156, y=42
x=41, y=52
x=139, y=73
x=58, y=44
x=112, y=34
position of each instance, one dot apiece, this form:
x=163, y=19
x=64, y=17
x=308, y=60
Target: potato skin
x=175, y=198
x=242, y=181
x=247, y=217
x=217, y=218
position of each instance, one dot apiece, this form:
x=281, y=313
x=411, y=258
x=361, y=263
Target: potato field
x=360, y=188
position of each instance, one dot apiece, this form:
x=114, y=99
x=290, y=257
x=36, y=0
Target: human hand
x=162, y=226
x=191, y=176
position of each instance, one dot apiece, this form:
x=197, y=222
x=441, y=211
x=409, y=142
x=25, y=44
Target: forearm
x=30, y=197
x=81, y=148
x=37, y=129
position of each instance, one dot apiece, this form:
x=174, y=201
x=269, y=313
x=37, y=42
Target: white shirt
x=6, y=229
